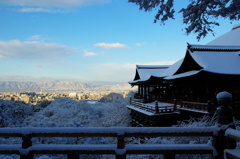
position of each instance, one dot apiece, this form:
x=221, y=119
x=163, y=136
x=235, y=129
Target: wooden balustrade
x=153, y=109
x=120, y=149
x=197, y=106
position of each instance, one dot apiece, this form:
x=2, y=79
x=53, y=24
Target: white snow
x=70, y=115
x=145, y=72
x=233, y=133
x=181, y=75
x=218, y=62
x=224, y=94
x=230, y=38
x=221, y=56
x=234, y=152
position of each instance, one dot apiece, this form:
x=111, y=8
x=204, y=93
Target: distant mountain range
x=55, y=86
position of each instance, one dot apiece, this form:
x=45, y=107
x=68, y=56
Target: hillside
x=54, y=86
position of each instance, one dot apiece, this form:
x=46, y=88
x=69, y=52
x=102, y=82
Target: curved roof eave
x=150, y=79
x=182, y=75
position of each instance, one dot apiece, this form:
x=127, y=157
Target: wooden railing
x=231, y=137
x=153, y=109
x=193, y=106
x=120, y=148
x=197, y=106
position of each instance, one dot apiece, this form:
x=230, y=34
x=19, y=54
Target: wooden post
x=145, y=93
x=139, y=90
x=230, y=143
x=208, y=106
x=121, y=153
x=175, y=105
x=26, y=143
x=73, y=156
x=219, y=143
x=169, y=156
x=156, y=107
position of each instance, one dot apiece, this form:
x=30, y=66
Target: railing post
x=208, y=105
x=219, y=143
x=26, y=143
x=175, y=105
x=169, y=156
x=230, y=143
x=156, y=107
x=73, y=156
x=121, y=152
x=225, y=120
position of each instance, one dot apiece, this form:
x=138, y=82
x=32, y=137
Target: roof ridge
x=197, y=47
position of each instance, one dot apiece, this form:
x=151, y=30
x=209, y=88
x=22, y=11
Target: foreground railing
x=121, y=148
x=231, y=136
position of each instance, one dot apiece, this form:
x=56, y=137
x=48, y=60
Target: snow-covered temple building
x=204, y=71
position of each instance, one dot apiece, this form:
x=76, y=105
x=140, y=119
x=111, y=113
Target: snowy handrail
x=120, y=149
x=232, y=136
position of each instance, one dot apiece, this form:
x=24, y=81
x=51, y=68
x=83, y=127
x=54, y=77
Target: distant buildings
x=35, y=98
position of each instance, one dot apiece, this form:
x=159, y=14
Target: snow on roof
x=222, y=62
x=195, y=47
x=230, y=38
x=221, y=56
x=172, y=69
x=145, y=72
x=152, y=66
x=181, y=75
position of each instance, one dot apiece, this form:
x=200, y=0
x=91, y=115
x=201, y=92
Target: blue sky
x=87, y=40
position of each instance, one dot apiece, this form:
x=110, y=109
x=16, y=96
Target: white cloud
x=25, y=78
x=87, y=53
x=121, y=72
x=52, y=3
x=159, y=63
x=139, y=44
x=110, y=45
x=36, y=38
x=38, y=9
x=115, y=72
x=33, y=50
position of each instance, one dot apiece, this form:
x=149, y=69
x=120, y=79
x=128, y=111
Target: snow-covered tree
x=199, y=16
x=111, y=96
x=12, y=113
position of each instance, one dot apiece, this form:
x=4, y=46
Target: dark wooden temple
x=204, y=71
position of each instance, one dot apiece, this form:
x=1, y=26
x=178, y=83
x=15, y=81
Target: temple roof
x=145, y=72
x=231, y=38
x=220, y=56
x=219, y=61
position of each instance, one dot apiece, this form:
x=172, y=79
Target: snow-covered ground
x=64, y=112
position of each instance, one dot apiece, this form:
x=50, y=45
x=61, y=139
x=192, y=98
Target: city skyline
x=82, y=40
